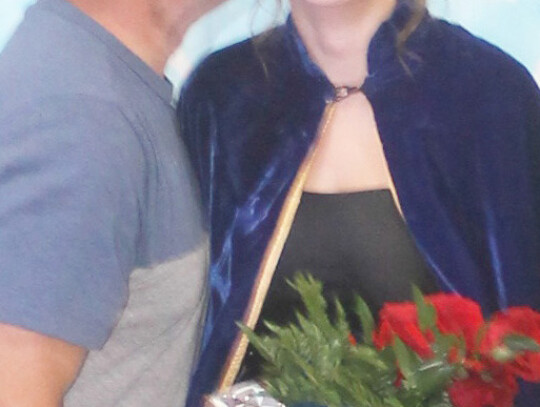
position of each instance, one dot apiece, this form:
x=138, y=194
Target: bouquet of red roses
x=437, y=351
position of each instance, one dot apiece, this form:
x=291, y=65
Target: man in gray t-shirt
x=102, y=245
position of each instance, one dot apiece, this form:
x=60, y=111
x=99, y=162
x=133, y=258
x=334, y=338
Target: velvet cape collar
x=460, y=133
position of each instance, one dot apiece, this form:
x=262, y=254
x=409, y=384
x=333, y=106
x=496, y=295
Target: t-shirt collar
x=64, y=9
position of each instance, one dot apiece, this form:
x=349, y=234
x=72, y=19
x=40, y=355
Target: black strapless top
x=355, y=243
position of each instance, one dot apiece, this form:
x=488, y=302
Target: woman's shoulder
x=237, y=65
x=453, y=50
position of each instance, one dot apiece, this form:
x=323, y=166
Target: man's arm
x=69, y=177
x=41, y=368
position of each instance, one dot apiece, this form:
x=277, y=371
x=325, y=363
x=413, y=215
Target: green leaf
x=341, y=325
x=367, y=355
x=258, y=343
x=427, y=315
x=312, y=361
x=405, y=358
x=442, y=400
x=434, y=377
x=521, y=343
x=366, y=319
x=393, y=402
x=444, y=343
x=311, y=292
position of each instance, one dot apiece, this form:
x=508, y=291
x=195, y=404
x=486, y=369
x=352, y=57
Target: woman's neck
x=337, y=36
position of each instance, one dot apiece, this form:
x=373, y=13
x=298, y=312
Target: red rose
x=521, y=321
x=455, y=315
x=499, y=391
x=400, y=319
x=459, y=316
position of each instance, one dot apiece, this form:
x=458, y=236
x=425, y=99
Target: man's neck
x=151, y=29
x=338, y=37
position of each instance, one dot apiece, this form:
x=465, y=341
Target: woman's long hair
x=418, y=13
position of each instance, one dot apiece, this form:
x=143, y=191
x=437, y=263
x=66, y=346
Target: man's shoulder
x=50, y=57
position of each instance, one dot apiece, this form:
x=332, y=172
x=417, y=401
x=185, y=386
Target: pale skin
x=337, y=34
x=37, y=370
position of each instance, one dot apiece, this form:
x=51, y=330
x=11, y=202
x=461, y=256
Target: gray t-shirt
x=101, y=237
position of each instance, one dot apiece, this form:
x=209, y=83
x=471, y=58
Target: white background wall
x=514, y=25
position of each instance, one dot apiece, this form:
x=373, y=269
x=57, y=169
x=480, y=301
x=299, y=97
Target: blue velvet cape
x=461, y=134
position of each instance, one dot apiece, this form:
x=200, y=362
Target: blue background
x=513, y=25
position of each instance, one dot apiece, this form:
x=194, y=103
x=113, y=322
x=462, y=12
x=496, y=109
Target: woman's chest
x=349, y=154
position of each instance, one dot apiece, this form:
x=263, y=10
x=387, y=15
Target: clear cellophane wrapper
x=244, y=394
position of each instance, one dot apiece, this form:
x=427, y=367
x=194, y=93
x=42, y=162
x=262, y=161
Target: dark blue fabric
x=460, y=133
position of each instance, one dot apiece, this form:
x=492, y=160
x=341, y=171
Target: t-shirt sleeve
x=70, y=176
